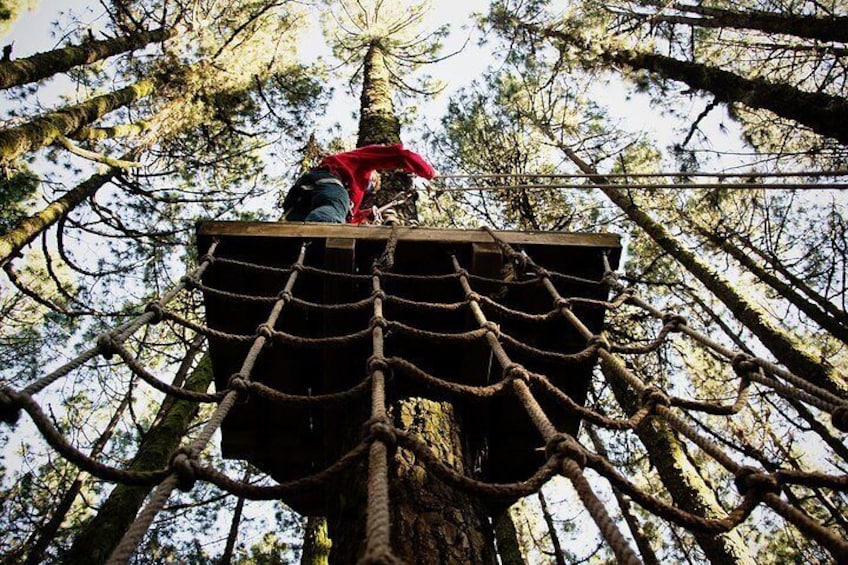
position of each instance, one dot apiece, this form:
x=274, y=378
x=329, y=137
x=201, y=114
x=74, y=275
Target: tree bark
x=41, y=539
x=782, y=346
x=48, y=63
x=646, y=552
x=824, y=114
x=316, y=542
x=46, y=129
x=506, y=537
x=834, y=28
x=102, y=533
x=681, y=479
x=559, y=557
x=786, y=291
x=31, y=227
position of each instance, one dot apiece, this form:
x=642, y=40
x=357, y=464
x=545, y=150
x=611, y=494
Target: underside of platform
x=291, y=442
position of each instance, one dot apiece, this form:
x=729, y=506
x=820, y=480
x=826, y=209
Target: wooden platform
x=289, y=442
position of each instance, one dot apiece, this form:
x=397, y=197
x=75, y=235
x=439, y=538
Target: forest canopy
x=711, y=136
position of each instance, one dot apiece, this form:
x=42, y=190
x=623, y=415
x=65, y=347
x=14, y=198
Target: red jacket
x=354, y=168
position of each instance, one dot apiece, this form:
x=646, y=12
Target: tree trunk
x=834, y=28
x=824, y=114
x=786, y=291
x=559, y=557
x=101, y=534
x=797, y=282
x=646, y=551
x=46, y=129
x=41, y=539
x=506, y=537
x=29, y=228
x=43, y=65
x=681, y=479
x=779, y=342
x=316, y=542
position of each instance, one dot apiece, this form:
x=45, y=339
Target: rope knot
x=189, y=281
x=520, y=261
x=674, y=321
x=461, y=272
x=207, y=258
x=839, y=418
x=157, y=310
x=297, y=267
x=379, y=322
x=183, y=465
x=472, y=296
x=381, y=429
x=653, y=396
x=238, y=383
x=285, y=296
x=107, y=345
x=562, y=302
x=751, y=479
x=565, y=446
x=610, y=279
x=264, y=330
x=516, y=371
x=376, y=363
x=542, y=272
x=379, y=293
x=743, y=363
x=9, y=409
x=492, y=328
x=599, y=341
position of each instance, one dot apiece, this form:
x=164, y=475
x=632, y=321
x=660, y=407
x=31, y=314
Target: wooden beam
x=323, y=231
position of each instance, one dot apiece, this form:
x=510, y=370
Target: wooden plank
x=315, y=230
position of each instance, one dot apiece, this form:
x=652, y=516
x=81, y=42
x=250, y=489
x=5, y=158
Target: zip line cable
x=748, y=174
x=677, y=186
x=439, y=185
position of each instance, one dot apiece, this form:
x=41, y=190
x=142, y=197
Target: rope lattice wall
x=564, y=454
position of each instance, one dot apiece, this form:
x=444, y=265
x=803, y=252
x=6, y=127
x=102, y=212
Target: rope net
x=540, y=397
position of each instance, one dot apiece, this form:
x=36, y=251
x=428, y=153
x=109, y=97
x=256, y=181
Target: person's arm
x=374, y=157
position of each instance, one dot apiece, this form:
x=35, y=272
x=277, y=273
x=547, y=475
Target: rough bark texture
x=316, y=542
x=779, y=342
x=377, y=120
x=506, y=537
x=29, y=228
x=46, y=129
x=431, y=522
x=101, y=534
x=824, y=114
x=48, y=63
x=682, y=480
x=834, y=28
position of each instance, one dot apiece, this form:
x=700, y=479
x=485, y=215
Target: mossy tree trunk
x=102, y=533
x=46, y=129
x=824, y=114
x=682, y=480
x=786, y=290
x=833, y=28
x=48, y=63
x=316, y=542
x=784, y=347
x=431, y=522
x=378, y=124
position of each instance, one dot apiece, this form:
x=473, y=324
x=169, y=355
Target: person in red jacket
x=333, y=191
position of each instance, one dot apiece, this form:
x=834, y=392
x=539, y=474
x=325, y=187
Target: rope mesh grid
x=564, y=454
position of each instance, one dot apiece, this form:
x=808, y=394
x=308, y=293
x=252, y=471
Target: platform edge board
x=299, y=229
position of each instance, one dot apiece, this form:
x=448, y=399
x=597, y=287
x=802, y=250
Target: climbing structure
x=489, y=304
